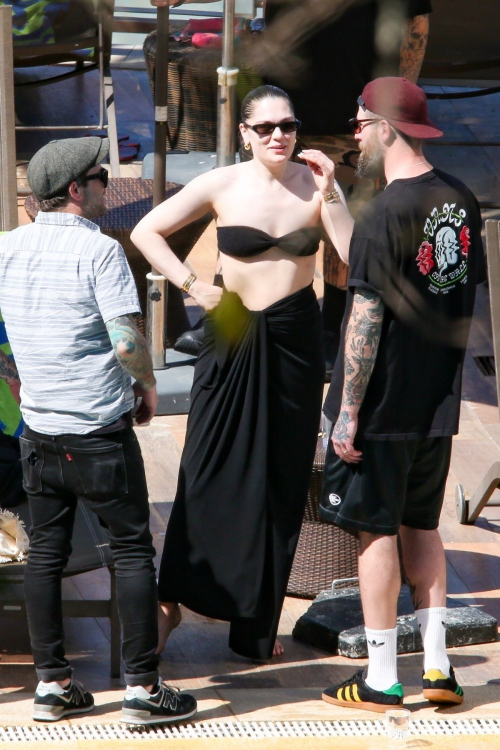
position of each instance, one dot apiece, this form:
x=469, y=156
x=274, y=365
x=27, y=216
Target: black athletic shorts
x=398, y=482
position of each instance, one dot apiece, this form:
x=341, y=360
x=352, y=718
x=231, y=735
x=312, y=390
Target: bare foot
x=278, y=648
x=169, y=617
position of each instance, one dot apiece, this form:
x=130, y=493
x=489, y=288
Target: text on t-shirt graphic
x=445, y=248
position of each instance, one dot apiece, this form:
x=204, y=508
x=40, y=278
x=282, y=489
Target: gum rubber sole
x=380, y=708
x=442, y=696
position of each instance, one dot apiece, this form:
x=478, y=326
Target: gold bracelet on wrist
x=188, y=283
x=332, y=197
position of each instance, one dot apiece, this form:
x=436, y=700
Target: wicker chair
x=192, y=92
x=324, y=551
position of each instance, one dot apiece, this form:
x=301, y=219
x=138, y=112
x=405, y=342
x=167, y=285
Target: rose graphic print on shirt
x=442, y=255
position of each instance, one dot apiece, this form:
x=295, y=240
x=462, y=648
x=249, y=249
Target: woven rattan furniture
x=192, y=92
x=324, y=552
x=128, y=200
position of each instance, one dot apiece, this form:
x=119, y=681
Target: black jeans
x=107, y=473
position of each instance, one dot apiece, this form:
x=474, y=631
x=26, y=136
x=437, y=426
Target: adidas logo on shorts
x=334, y=499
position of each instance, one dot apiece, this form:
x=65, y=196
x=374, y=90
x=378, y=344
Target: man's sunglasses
x=358, y=125
x=267, y=128
x=101, y=175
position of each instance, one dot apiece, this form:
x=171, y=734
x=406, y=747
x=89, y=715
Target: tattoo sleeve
x=8, y=369
x=361, y=347
x=131, y=349
x=413, y=46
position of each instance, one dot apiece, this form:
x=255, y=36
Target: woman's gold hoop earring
x=247, y=147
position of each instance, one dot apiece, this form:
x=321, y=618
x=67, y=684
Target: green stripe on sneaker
x=396, y=689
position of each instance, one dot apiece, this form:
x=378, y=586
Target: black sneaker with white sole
x=168, y=704
x=52, y=702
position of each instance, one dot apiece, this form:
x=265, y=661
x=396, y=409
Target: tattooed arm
x=132, y=352
x=8, y=369
x=361, y=347
x=413, y=47
x=8, y=372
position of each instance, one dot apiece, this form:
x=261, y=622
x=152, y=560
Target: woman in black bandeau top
x=258, y=383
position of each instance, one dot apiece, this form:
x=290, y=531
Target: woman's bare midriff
x=265, y=279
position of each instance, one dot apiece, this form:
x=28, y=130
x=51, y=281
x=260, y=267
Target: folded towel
x=14, y=541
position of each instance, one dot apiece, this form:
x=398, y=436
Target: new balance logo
x=170, y=700
x=375, y=644
x=334, y=499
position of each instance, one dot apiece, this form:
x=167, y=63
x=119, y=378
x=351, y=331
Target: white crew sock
x=382, y=655
x=432, y=624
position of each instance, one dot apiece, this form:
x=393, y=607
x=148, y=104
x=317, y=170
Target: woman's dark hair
x=260, y=93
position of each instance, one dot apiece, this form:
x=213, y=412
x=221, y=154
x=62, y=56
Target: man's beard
x=94, y=206
x=371, y=161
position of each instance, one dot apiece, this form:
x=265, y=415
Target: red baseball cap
x=402, y=103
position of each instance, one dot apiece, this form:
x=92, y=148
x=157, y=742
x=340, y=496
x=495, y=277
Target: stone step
x=334, y=623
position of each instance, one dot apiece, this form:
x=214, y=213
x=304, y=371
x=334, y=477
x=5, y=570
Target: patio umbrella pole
x=8, y=179
x=157, y=284
x=228, y=76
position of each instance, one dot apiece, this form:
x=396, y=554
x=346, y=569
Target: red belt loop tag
x=68, y=457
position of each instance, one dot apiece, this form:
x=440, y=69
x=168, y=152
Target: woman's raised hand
x=322, y=168
x=206, y=295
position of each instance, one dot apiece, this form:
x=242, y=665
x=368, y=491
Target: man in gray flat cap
x=68, y=300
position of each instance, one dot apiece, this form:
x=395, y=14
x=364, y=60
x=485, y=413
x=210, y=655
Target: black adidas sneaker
x=166, y=705
x=441, y=689
x=355, y=693
x=52, y=702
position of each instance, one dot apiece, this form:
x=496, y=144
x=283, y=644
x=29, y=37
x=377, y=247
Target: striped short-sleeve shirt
x=61, y=280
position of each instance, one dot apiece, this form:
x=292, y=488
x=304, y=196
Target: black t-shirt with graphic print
x=417, y=245
x=332, y=60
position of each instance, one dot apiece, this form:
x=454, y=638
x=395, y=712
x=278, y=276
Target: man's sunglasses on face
x=101, y=175
x=267, y=128
x=358, y=125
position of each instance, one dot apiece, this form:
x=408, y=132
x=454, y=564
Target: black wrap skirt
x=246, y=466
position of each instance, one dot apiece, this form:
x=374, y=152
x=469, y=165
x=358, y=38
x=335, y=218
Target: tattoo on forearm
x=340, y=431
x=8, y=369
x=131, y=349
x=413, y=47
x=361, y=345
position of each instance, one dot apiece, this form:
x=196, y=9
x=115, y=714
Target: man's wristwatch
x=332, y=197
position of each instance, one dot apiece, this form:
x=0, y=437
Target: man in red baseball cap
x=415, y=259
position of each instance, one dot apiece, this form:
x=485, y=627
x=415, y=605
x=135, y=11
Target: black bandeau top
x=245, y=242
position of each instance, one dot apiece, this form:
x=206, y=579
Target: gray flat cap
x=58, y=163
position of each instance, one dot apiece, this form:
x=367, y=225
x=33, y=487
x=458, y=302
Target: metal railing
x=142, y=20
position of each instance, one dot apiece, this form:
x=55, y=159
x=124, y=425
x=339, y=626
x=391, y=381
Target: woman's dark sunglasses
x=358, y=125
x=101, y=175
x=267, y=128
